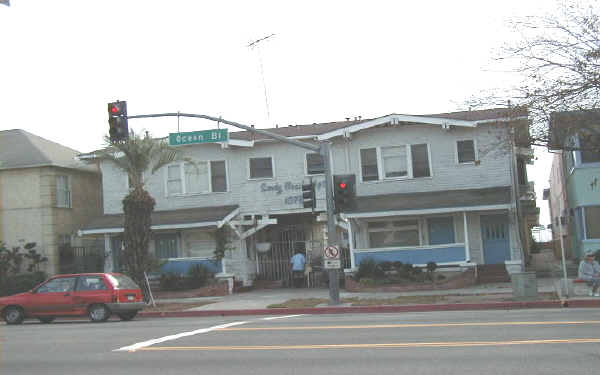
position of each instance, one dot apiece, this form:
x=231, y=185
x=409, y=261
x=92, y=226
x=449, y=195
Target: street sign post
x=331, y=259
x=202, y=136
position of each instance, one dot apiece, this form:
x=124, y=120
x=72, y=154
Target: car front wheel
x=99, y=313
x=128, y=315
x=14, y=315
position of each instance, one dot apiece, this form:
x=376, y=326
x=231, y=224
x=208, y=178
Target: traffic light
x=117, y=121
x=308, y=195
x=344, y=192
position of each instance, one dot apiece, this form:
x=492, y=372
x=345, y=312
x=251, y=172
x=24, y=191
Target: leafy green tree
x=135, y=156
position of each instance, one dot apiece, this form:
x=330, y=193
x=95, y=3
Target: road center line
x=385, y=345
x=417, y=325
x=282, y=317
x=145, y=344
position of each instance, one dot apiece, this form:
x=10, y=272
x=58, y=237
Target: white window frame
x=476, y=152
x=184, y=188
x=69, y=191
x=261, y=178
x=409, y=163
x=306, y=165
x=419, y=228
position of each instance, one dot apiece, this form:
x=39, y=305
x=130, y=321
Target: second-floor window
x=465, y=151
x=196, y=178
x=315, y=164
x=63, y=192
x=394, y=162
x=261, y=167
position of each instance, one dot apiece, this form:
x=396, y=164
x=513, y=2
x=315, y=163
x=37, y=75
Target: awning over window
x=203, y=217
x=431, y=202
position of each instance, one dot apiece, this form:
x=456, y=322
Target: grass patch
x=298, y=303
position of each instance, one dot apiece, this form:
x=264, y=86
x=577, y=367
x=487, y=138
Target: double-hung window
x=63, y=192
x=397, y=233
x=395, y=162
x=588, y=154
x=261, y=167
x=196, y=178
x=586, y=219
x=465, y=151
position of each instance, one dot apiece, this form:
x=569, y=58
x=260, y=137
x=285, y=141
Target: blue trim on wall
x=182, y=266
x=417, y=256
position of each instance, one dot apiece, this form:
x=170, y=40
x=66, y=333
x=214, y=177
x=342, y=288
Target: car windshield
x=122, y=282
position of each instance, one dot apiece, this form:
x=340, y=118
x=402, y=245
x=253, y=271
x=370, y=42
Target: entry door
x=495, y=236
x=117, y=243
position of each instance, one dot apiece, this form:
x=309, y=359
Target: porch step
x=492, y=273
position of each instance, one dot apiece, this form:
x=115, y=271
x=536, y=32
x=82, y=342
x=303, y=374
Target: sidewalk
x=256, y=302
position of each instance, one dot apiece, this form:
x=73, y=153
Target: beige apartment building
x=45, y=194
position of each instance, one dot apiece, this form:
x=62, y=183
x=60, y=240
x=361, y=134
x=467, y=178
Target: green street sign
x=202, y=136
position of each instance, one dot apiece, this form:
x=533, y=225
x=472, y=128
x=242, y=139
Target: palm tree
x=135, y=155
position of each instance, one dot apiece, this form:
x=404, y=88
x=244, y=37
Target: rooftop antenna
x=253, y=45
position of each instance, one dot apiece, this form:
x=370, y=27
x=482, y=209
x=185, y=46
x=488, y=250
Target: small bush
x=397, y=265
x=198, y=276
x=172, y=281
x=386, y=266
x=22, y=282
x=369, y=268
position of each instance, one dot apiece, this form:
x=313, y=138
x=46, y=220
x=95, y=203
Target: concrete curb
x=379, y=309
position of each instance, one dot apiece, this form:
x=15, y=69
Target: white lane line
x=282, y=317
x=145, y=344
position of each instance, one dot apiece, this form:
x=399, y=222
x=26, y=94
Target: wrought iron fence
x=79, y=259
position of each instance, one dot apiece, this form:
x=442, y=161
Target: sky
x=62, y=61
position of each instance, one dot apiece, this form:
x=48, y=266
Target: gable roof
x=21, y=149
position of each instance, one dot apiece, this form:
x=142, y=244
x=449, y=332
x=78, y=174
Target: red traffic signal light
x=117, y=121
x=344, y=192
x=343, y=185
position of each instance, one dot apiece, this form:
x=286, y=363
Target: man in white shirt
x=297, y=264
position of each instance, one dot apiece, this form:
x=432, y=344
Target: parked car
x=97, y=295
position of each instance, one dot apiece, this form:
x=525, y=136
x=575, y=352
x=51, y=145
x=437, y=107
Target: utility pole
x=324, y=150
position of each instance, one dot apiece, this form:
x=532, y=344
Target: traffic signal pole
x=324, y=150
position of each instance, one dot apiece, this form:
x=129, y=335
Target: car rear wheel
x=128, y=315
x=46, y=319
x=13, y=315
x=99, y=313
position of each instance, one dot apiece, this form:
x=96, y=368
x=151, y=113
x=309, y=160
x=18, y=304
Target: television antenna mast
x=255, y=45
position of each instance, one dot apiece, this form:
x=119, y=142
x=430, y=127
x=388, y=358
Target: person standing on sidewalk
x=297, y=264
x=589, y=271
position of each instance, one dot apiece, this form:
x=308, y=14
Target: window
x=592, y=218
x=588, y=156
x=394, y=161
x=420, y=160
x=368, y=162
x=60, y=285
x=315, y=164
x=197, y=178
x=165, y=246
x=261, y=167
x=394, y=233
x=63, y=192
x=441, y=230
x=174, y=185
x=218, y=176
x=466, y=151
x=86, y=283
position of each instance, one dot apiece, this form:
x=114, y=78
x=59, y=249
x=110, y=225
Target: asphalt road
x=479, y=342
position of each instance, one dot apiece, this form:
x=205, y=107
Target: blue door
x=117, y=243
x=495, y=237
x=441, y=230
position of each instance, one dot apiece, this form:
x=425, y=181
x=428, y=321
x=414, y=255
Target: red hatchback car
x=97, y=295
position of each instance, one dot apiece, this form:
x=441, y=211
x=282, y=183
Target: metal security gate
x=275, y=264
x=78, y=259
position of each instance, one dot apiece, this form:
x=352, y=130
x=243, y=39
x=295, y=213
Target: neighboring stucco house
x=581, y=178
x=45, y=194
x=556, y=195
x=450, y=188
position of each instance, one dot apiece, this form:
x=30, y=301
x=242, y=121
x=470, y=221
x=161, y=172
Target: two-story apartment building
x=45, y=194
x=443, y=188
x=578, y=180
